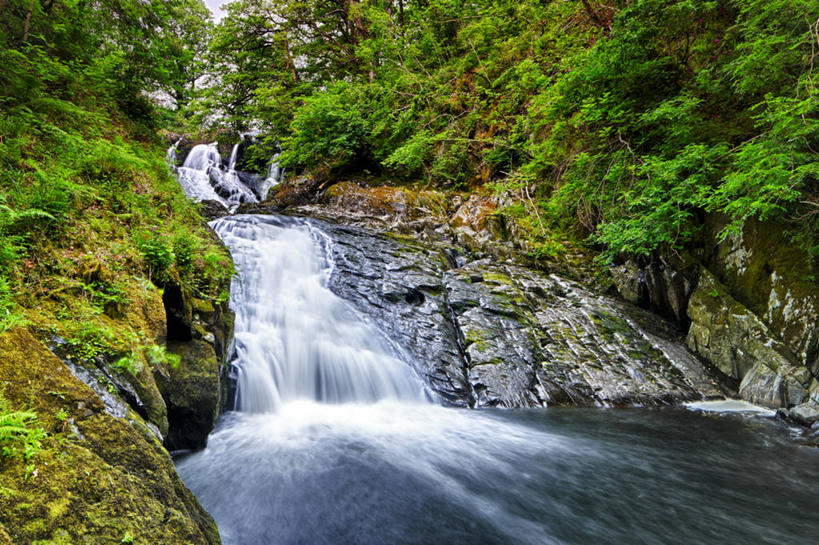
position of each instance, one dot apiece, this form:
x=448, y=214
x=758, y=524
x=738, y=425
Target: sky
x=213, y=5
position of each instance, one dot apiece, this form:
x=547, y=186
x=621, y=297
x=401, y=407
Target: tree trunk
x=27, y=24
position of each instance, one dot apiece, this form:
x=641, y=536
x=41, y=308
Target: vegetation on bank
x=92, y=228
x=87, y=204
x=626, y=120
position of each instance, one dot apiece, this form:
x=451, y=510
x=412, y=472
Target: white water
x=275, y=174
x=233, y=154
x=730, y=406
x=194, y=174
x=202, y=177
x=295, y=339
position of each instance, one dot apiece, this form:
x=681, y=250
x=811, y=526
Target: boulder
x=96, y=478
x=488, y=332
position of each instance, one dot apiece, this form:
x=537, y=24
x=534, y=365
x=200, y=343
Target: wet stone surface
x=492, y=333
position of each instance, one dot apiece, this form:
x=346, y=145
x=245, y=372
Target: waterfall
x=335, y=440
x=233, y=155
x=170, y=155
x=295, y=339
x=194, y=174
x=275, y=174
x=202, y=177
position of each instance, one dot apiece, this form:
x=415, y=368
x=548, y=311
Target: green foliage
x=631, y=120
x=158, y=355
x=331, y=127
x=129, y=364
x=158, y=252
x=87, y=341
x=19, y=436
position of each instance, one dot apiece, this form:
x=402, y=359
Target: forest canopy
x=625, y=121
x=629, y=119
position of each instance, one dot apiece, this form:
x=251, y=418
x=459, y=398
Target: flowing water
x=336, y=440
x=203, y=177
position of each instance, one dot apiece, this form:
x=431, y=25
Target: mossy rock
x=774, y=278
x=96, y=478
x=191, y=390
x=740, y=345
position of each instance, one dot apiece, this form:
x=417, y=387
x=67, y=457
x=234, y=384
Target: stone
x=192, y=391
x=741, y=346
x=489, y=333
x=96, y=479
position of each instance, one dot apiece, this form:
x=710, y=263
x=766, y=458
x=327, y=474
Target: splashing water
x=294, y=338
x=203, y=178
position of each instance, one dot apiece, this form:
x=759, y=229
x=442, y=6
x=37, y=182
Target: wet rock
x=490, y=333
x=198, y=333
x=739, y=344
x=96, y=477
x=192, y=392
x=774, y=279
x=661, y=285
x=211, y=209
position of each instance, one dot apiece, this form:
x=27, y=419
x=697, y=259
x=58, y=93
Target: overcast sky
x=214, y=7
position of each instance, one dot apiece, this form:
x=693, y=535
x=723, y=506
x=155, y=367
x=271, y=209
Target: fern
x=18, y=433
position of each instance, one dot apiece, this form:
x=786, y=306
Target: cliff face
x=113, y=359
x=753, y=307
x=101, y=474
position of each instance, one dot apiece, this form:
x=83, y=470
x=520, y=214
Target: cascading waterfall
x=275, y=174
x=194, y=174
x=203, y=177
x=335, y=441
x=233, y=155
x=294, y=338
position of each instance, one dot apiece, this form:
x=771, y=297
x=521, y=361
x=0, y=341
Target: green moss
x=118, y=479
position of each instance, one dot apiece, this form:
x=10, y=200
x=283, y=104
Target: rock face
x=199, y=331
x=488, y=333
x=97, y=477
x=753, y=308
x=742, y=347
x=759, y=334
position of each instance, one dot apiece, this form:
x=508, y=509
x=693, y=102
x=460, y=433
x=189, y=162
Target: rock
x=740, y=345
x=475, y=224
x=96, y=478
x=199, y=331
x=662, y=285
x=774, y=279
x=192, y=392
x=491, y=333
x=211, y=209
x=806, y=414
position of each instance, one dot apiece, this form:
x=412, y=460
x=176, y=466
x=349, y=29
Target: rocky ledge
x=488, y=332
x=450, y=282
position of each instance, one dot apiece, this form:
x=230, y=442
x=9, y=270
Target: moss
x=116, y=479
x=498, y=278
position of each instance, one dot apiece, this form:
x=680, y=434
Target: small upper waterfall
x=233, y=154
x=295, y=339
x=275, y=174
x=204, y=177
x=194, y=174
